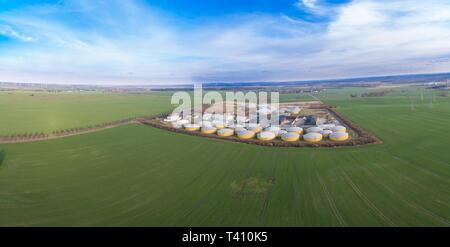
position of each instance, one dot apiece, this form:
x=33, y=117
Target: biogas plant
x=288, y=124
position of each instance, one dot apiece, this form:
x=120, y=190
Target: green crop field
x=136, y=175
x=30, y=112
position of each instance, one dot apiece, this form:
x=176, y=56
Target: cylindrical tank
x=225, y=132
x=266, y=136
x=191, y=127
x=208, y=130
x=255, y=129
x=339, y=136
x=297, y=130
x=339, y=129
x=246, y=134
x=313, y=130
x=312, y=137
x=290, y=137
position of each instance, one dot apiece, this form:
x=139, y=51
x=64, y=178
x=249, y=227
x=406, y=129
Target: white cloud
x=134, y=44
x=11, y=33
x=309, y=3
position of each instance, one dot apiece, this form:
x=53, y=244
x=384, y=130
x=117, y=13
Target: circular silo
x=312, y=137
x=339, y=136
x=274, y=129
x=246, y=134
x=238, y=129
x=297, y=130
x=266, y=136
x=208, y=130
x=339, y=129
x=313, y=130
x=219, y=124
x=191, y=127
x=225, y=132
x=254, y=128
x=290, y=137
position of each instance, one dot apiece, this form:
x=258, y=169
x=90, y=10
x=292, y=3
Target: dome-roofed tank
x=290, y=137
x=266, y=136
x=254, y=128
x=339, y=136
x=208, y=130
x=225, y=132
x=313, y=130
x=246, y=134
x=297, y=130
x=312, y=137
x=339, y=129
x=191, y=127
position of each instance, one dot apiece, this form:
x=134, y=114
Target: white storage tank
x=191, y=127
x=246, y=134
x=339, y=129
x=313, y=130
x=266, y=136
x=297, y=130
x=208, y=130
x=339, y=136
x=225, y=132
x=312, y=137
x=290, y=137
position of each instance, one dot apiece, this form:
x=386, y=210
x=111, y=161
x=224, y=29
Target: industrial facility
x=297, y=122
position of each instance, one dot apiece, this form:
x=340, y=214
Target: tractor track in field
x=410, y=204
x=333, y=206
x=367, y=200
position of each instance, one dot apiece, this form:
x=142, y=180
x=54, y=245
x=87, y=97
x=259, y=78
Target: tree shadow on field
x=2, y=157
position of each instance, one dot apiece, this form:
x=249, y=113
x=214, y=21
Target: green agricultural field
x=136, y=175
x=30, y=112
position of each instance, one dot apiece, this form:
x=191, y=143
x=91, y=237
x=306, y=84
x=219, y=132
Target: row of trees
x=62, y=132
x=21, y=136
x=371, y=94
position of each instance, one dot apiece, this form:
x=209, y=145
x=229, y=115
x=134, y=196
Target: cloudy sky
x=180, y=41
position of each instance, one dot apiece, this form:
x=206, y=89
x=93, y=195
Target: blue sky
x=162, y=41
